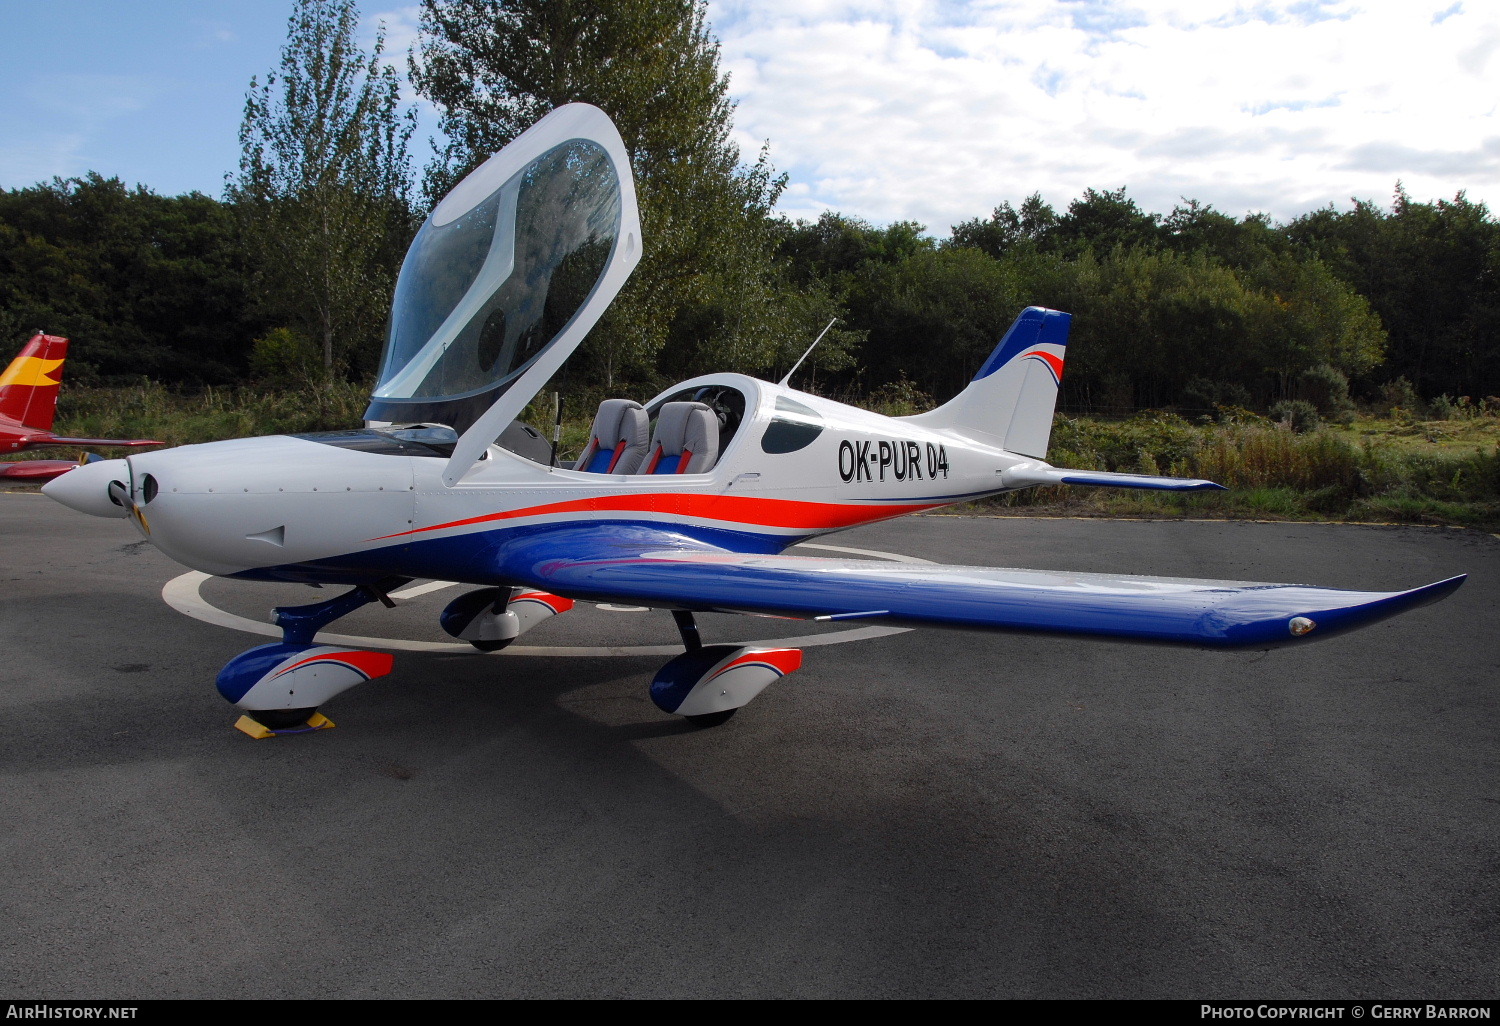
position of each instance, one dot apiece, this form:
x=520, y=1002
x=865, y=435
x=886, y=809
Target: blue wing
x=659, y=567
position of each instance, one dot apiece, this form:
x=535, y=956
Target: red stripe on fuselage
x=786, y=513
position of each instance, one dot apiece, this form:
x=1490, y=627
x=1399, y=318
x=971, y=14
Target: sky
x=888, y=110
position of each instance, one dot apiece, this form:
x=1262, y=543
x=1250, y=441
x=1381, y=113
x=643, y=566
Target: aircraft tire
x=491, y=646
x=281, y=719
x=713, y=719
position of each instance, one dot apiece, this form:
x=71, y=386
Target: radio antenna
x=804, y=356
x=556, y=426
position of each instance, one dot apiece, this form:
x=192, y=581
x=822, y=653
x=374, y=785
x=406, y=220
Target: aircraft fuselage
x=298, y=508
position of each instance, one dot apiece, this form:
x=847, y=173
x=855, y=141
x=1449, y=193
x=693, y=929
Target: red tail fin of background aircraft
x=28, y=387
x=28, y=406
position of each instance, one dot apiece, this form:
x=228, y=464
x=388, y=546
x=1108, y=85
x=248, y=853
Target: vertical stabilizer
x=1009, y=403
x=28, y=387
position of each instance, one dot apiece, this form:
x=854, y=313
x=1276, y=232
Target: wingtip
x=1439, y=589
x=1338, y=620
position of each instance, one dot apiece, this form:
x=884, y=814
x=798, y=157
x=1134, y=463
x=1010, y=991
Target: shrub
x=1326, y=387
x=1298, y=414
x=1399, y=395
x=285, y=356
x=1462, y=408
x=899, y=399
x=1202, y=394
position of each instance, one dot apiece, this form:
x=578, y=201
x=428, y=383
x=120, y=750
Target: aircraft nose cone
x=87, y=488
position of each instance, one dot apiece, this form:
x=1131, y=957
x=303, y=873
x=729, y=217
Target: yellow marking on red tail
x=32, y=372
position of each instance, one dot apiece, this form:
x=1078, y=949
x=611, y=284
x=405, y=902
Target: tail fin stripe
x=1054, y=363
x=1035, y=327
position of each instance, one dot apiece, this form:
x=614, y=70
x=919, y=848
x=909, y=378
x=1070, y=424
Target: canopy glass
x=491, y=280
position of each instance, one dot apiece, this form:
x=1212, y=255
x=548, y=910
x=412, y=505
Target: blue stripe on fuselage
x=474, y=557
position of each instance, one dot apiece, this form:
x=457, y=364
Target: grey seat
x=686, y=440
x=617, y=443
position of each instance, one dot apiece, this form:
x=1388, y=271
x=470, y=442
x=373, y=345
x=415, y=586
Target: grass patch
x=152, y=411
x=1396, y=475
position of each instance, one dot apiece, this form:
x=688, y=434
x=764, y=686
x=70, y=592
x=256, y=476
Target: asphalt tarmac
x=925, y=814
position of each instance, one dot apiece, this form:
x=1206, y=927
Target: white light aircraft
x=684, y=504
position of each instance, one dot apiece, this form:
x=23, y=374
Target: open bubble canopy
x=508, y=274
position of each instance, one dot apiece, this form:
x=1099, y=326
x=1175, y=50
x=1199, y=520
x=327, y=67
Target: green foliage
x=1008, y=231
x=899, y=399
x=932, y=318
x=1431, y=274
x=1271, y=472
x=1224, y=401
x=1152, y=442
x=1398, y=395
x=284, y=356
x=1298, y=414
x=150, y=410
x=141, y=283
x=839, y=249
x=1201, y=310
x=1194, y=228
x=1327, y=388
x=1103, y=221
x=324, y=183
x=1314, y=318
x=1445, y=407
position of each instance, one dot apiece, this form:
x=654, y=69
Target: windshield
x=484, y=290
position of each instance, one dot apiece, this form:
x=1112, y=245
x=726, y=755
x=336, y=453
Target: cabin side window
x=793, y=426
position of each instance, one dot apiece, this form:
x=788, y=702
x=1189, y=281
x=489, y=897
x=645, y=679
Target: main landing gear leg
x=707, y=684
x=280, y=686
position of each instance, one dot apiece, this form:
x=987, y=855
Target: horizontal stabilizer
x=676, y=572
x=35, y=471
x=1024, y=477
x=108, y=443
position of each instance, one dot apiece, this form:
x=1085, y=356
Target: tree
x=1431, y=272
x=324, y=184
x=1315, y=318
x=1195, y=228
x=1008, y=229
x=142, y=284
x=1103, y=220
x=493, y=67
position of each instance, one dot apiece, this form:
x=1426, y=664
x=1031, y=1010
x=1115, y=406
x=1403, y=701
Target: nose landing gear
x=280, y=686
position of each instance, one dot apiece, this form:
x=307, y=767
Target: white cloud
x=402, y=34
x=402, y=28
x=213, y=33
x=936, y=112
x=41, y=156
